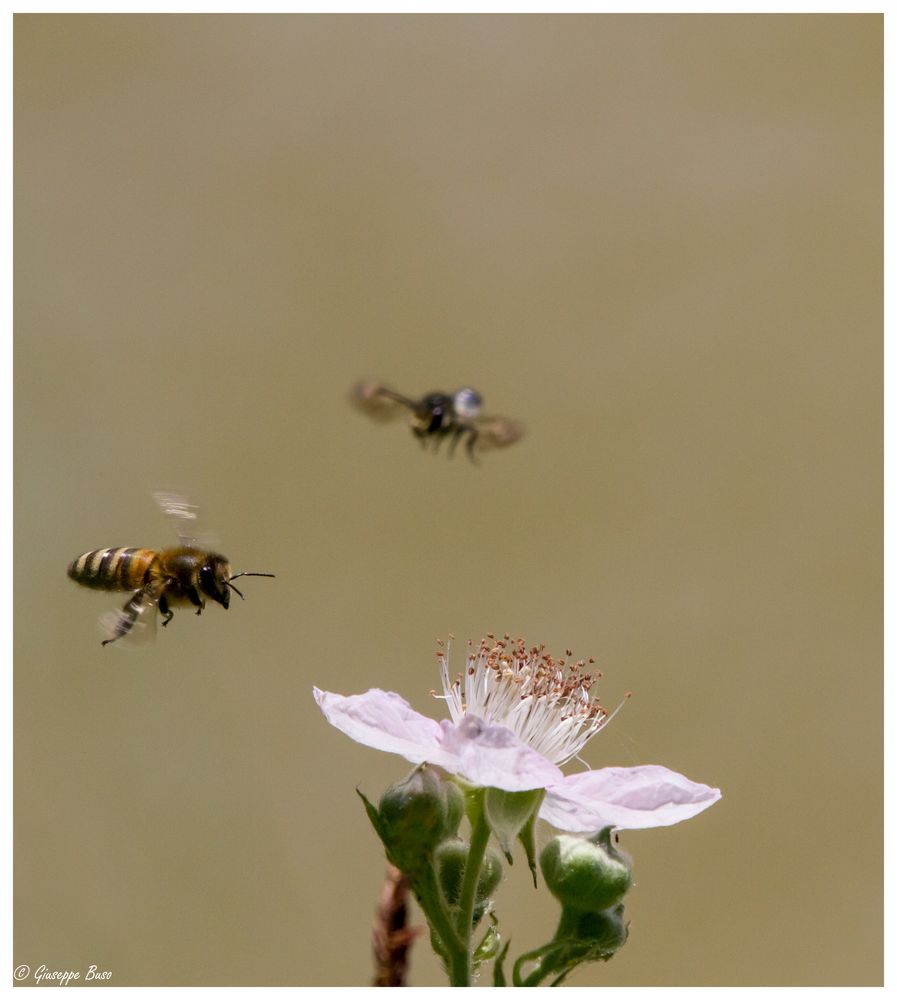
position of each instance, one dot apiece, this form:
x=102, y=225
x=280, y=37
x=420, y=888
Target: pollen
x=546, y=702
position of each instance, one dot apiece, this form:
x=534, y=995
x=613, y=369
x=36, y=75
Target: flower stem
x=537, y=974
x=430, y=899
x=455, y=949
x=461, y=972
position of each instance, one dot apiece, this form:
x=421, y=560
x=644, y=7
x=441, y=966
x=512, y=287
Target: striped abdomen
x=113, y=569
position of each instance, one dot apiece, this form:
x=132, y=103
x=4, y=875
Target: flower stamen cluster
x=546, y=702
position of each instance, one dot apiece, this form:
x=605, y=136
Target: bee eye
x=207, y=580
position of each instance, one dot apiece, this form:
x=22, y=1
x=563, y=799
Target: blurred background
x=657, y=241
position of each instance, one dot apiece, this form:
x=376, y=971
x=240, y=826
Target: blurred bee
x=440, y=415
x=188, y=574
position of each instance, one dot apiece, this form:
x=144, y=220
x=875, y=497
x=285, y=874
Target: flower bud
x=586, y=937
x=605, y=931
x=451, y=862
x=416, y=815
x=586, y=875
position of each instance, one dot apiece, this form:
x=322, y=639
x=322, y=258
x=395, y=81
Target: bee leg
x=438, y=434
x=167, y=613
x=471, y=441
x=126, y=617
x=193, y=594
x=457, y=434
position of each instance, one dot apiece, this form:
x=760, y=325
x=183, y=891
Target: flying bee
x=187, y=574
x=440, y=415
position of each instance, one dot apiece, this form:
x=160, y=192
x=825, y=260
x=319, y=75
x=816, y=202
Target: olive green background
x=657, y=241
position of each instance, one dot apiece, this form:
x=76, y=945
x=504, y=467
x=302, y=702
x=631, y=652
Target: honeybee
x=440, y=415
x=187, y=574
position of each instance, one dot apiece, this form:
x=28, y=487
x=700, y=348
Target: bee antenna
x=237, y=575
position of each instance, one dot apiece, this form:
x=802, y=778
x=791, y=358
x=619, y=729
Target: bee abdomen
x=112, y=569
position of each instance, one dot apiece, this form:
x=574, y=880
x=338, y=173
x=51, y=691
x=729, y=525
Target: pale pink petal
x=632, y=798
x=492, y=756
x=385, y=721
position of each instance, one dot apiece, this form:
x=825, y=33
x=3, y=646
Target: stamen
x=545, y=702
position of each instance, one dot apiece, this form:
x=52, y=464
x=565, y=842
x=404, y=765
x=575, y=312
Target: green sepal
x=527, y=838
x=488, y=946
x=498, y=970
x=373, y=814
x=508, y=813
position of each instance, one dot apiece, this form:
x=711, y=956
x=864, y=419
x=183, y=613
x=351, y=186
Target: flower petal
x=632, y=798
x=385, y=721
x=482, y=754
x=492, y=756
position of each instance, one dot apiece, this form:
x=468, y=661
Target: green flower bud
x=586, y=875
x=451, y=862
x=605, y=932
x=454, y=807
x=416, y=815
x=584, y=937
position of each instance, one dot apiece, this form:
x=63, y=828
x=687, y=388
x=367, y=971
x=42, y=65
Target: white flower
x=517, y=714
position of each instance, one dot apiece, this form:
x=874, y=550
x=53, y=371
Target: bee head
x=214, y=579
x=467, y=403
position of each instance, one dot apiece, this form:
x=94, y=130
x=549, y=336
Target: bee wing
x=134, y=624
x=184, y=518
x=379, y=401
x=497, y=432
